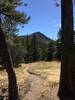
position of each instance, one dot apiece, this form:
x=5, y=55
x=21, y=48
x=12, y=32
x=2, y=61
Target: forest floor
x=36, y=81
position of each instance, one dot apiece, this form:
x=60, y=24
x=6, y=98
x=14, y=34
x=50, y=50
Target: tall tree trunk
x=67, y=76
x=13, y=89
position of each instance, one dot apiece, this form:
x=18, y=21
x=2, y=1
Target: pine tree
x=58, y=45
x=33, y=49
x=27, y=54
x=8, y=13
x=50, y=51
x=67, y=76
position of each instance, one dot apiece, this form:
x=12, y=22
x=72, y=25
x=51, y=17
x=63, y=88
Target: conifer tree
x=50, y=51
x=34, y=49
x=8, y=13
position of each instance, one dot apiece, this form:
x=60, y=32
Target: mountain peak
x=39, y=33
x=41, y=37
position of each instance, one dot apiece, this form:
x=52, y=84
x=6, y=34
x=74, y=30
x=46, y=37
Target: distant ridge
x=40, y=37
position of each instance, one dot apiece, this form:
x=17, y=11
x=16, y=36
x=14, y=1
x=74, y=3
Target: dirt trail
x=38, y=89
x=31, y=86
x=35, y=89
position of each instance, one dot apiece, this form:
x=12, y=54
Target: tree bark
x=12, y=87
x=67, y=76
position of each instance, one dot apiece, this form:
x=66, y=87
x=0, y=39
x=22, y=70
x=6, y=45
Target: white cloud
x=57, y=25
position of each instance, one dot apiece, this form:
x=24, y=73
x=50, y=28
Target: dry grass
x=41, y=83
x=49, y=70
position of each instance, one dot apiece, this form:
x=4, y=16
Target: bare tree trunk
x=12, y=87
x=67, y=76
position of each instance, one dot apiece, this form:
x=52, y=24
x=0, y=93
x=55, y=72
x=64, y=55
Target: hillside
x=40, y=37
x=33, y=47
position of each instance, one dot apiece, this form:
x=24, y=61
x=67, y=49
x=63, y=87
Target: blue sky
x=45, y=17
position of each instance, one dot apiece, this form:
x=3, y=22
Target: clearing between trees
x=36, y=81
